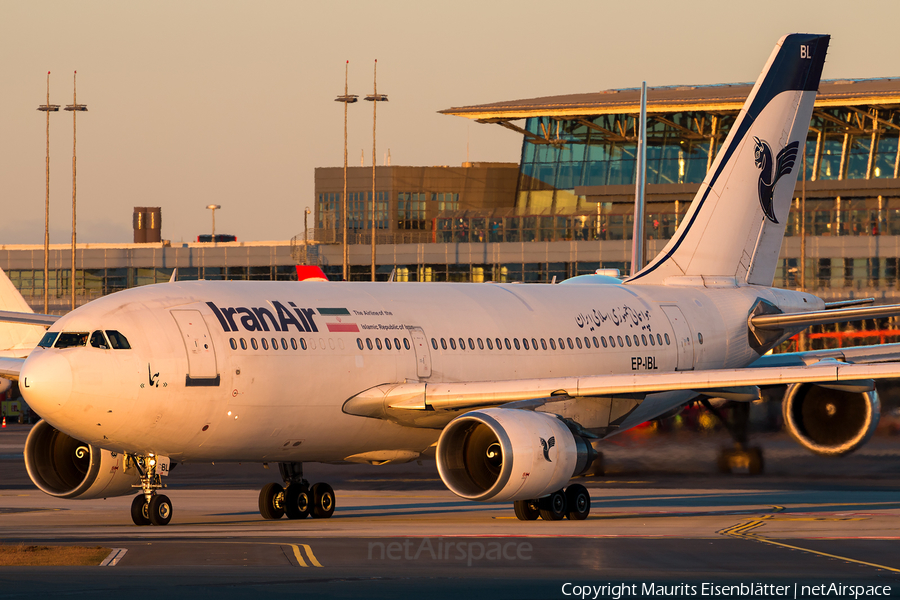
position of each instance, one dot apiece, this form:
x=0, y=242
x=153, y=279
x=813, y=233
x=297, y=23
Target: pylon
x=4, y=422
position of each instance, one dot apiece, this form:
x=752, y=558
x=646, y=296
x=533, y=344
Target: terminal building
x=565, y=209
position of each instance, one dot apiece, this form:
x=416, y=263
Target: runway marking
x=114, y=557
x=309, y=555
x=743, y=531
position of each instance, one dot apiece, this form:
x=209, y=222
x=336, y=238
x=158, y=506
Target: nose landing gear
x=148, y=507
x=297, y=499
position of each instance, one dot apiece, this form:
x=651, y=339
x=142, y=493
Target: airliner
x=510, y=388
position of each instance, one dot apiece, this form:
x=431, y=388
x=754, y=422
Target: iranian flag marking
x=338, y=320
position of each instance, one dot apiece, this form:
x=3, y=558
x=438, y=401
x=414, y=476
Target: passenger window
x=98, y=340
x=544, y=343
x=406, y=343
x=552, y=344
x=462, y=344
x=48, y=339
x=434, y=343
x=283, y=344
x=508, y=346
x=452, y=344
x=578, y=342
x=71, y=340
x=516, y=343
x=387, y=343
x=621, y=343
x=471, y=344
x=369, y=343
x=628, y=341
x=265, y=344
x=378, y=343
x=443, y=343
x=636, y=341
x=243, y=344
x=499, y=345
x=303, y=343
x=534, y=343
x=667, y=339
x=571, y=347
x=652, y=342
x=396, y=343
x=254, y=344
x=117, y=341
x=233, y=344
x=643, y=339
x=562, y=344
x=480, y=344
x=525, y=343
x=603, y=339
x=612, y=341
x=489, y=343
x=587, y=342
x=659, y=339
x=359, y=343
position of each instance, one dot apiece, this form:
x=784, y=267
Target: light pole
x=306, y=236
x=47, y=108
x=374, y=98
x=213, y=208
x=74, y=108
x=345, y=250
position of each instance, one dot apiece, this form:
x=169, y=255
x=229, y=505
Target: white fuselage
x=189, y=389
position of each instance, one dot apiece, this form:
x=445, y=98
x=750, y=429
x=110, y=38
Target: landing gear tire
x=323, y=501
x=297, y=502
x=271, y=501
x=527, y=510
x=553, y=507
x=578, y=501
x=139, y=511
x=159, y=510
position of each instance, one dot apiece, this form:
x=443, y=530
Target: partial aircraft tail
x=735, y=225
x=15, y=336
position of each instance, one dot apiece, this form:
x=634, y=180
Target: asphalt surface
x=661, y=516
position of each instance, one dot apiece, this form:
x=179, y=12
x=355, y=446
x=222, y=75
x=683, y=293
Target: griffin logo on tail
x=772, y=172
x=546, y=445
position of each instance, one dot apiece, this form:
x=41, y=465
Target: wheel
x=296, y=501
x=553, y=507
x=139, y=513
x=755, y=462
x=578, y=500
x=271, y=501
x=527, y=510
x=323, y=501
x=160, y=510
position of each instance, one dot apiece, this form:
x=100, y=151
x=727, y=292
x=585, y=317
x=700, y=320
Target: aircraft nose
x=46, y=382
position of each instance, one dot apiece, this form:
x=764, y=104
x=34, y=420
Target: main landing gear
x=148, y=507
x=297, y=499
x=741, y=457
x=574, y=503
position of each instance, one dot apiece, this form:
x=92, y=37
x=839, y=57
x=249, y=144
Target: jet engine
x=63, y=467
x=502, y=454
x=831, y=421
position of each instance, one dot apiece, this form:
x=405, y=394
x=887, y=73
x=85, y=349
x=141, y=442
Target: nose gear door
x=199, y=347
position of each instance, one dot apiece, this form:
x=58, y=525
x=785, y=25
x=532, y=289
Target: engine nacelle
x=63, y=467
x=828, y=421
x=502, y=454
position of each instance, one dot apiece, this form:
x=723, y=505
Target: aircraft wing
x=408, y=403
x=10, y=367
x=26, y=318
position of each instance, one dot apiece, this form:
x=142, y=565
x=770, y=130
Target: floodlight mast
x=74, y=108
x=374, y=98
x=47, y=108
x=345, y=250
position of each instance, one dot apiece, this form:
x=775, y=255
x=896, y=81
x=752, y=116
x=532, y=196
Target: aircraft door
x=199, y=347
x=684, y=341
x=423, y=354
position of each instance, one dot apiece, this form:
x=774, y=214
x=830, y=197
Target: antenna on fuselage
x=174, y=275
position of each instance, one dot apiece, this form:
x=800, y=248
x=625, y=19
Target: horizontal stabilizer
x=8, y=316
x=823, y=317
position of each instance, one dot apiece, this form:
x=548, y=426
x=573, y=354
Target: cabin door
x=199, y=347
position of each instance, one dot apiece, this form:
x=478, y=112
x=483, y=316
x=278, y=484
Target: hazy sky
x=228, y=102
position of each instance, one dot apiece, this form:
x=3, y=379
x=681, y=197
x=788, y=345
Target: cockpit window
x=117, y=340
x=70, y=339
x=98, y=340
x=48, y=339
